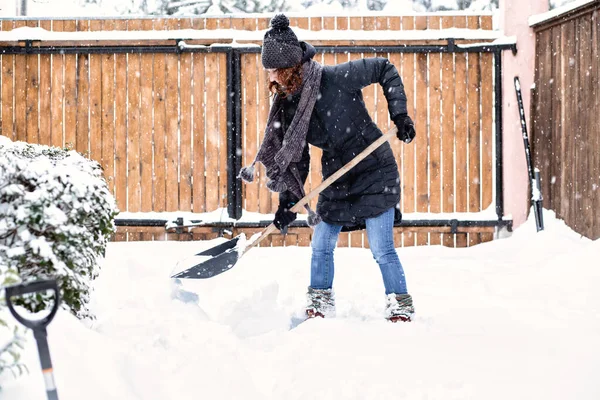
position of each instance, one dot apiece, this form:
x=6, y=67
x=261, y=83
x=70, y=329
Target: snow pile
x=56, y=216
x=514, y=318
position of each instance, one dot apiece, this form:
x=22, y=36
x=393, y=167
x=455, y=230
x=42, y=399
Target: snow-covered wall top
x=40, y=34
x=560, y=12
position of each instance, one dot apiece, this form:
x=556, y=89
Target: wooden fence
x=565, y=120
x=158, y=123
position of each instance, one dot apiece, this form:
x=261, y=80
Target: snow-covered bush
x=56, y=217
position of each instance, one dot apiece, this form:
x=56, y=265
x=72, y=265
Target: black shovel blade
x=211, y=267
x=220, y=248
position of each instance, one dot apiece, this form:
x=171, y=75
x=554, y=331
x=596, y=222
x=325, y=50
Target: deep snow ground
x=515, y=318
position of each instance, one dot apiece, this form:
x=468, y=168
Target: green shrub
x=56, y=217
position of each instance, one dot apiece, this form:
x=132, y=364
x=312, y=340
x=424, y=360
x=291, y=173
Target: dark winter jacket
x=341, y=126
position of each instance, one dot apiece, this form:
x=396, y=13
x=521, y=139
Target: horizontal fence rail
x=172, y=124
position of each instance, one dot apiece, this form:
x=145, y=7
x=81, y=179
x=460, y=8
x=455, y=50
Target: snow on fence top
x=235, y=35
x=559, y=12
x=313, y=13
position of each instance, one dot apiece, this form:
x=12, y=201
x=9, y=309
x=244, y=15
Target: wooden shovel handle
x=335, y=176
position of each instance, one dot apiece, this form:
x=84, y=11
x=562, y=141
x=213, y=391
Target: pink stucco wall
x=513, y=21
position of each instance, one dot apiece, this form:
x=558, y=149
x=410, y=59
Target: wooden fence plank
x=565, y=84
x=107, y=123
x=448, y=134
x=487, y=129
x=212, y=134
x=421, y=22
x=222, y=131
x=550, y=171
x=95, y=99
x=304, y=239
x=408, y=152
x=343, y=239
x=543, y=69
x=45, y=90
x=134, y=200
x=356, y=239
x=20, y=102
x=577, y=129
x=250, y=127
x=33, y=93
x=57, y=93
x=160, y=127
x=571, y=128
x=474, y=238
x=585, y=166
x=422, y=141
x=474, y=124
x=435, y=129
x=172, y=125
x=185, y=93
x=448, y=130
x=199, y=155
x=277, y=240
x=316, y=23
x=461, y=240
x=342, y=23
x=120, y=124
x=8, y=87
x=145, y=125
x=300, y=22
x=291, y=239
x=595, y=123
x=461, y=160
x=82, y=98
x=70, y=91
x=409, y=239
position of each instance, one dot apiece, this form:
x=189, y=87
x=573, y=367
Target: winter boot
x=399, y=307
x=321, y=303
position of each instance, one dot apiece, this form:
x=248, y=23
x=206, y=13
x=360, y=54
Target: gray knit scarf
x=281, y=151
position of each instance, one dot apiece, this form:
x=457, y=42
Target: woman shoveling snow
x=323, y=106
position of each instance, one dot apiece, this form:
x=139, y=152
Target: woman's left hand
x=406, y=128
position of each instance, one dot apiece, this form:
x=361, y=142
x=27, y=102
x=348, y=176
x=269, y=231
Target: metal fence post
x=234, y=133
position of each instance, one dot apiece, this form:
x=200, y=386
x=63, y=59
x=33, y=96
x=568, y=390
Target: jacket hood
x=308, y=51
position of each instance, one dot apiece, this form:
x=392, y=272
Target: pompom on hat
x=281, y=48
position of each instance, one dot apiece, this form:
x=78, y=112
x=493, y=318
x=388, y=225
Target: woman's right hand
x=284, y=217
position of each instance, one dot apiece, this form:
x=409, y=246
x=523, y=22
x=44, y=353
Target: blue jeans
x=381, y=241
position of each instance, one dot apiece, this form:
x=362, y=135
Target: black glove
x=406, y=128
x=283, y=216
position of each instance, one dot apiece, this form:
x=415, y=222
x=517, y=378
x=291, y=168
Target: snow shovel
x=224, y=256
x=38, y=326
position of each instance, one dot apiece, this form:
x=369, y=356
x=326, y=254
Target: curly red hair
x=291, y=78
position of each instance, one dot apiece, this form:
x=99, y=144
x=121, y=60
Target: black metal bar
x=141, y=222
x=231, y=181
x=452, y=223
x=499, y=133
x=168, y=49
x=238, y=129
x=451, y=47
x=234, y=134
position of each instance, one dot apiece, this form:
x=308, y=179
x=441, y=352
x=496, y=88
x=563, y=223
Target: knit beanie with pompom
x=281, y=48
